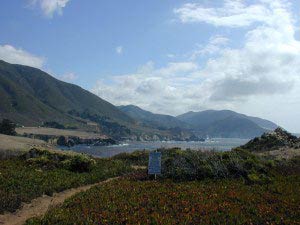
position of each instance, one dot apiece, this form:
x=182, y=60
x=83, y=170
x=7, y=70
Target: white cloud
x=170, y=55
x=69, y=77
x=215, y=45
x=119, y=50
x=50, y=7
x=150, y=87
x=13, y=55
x=263, y=72
x=175, y=68
x=234, y=13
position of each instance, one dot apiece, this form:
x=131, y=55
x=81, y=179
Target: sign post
x=154, y=166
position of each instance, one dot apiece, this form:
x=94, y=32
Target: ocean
x=218, y=144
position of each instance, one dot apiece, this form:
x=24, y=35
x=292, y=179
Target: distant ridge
x=151, y=119
x=206, y=117
x=213, y=123
x=226, y=123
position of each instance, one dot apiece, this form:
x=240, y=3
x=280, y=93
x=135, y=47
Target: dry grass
x=57, y=132
x=14, y=142
x=283, y=153
x=13, y=146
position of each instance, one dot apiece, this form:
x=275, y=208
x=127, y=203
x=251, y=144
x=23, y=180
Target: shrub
x=135, y=158
x=195, y=165
x=42, y=161
x=180, y=164
x=49, y=160
x=62, y=141
x=79, y=163
x=53, y=124
x=7, y=127
x=9, y=201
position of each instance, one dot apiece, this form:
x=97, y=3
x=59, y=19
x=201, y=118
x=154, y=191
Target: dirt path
x=39, y=206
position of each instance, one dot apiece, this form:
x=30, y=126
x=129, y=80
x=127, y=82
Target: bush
x=9, y=201
x=79, y=163
x=7, y=127
x=139, y=158
x=183, y=165
x=53, y=124
x=50, y=160
x=196, y=165
x=62, y=141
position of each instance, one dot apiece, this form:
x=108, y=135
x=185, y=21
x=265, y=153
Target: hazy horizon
x=166, y=57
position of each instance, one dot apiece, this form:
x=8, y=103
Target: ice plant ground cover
x=180, y=198
x=225, y=201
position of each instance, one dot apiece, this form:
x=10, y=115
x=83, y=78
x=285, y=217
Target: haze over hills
x=32, y=97
x=203, y=118
x=151, y=119
x=226, y=123
x=223, y=123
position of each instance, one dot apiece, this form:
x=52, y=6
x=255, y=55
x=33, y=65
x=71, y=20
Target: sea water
x=218, y=144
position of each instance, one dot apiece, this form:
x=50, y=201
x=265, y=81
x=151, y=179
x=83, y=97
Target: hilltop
x=279, y=139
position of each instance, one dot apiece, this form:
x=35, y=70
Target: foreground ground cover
x=225, y=201
x=22, y=180
x=195, y=188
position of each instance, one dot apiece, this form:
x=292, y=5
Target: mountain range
x=213, y=123
x=31, y=97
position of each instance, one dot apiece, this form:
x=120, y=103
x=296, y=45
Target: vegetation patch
x=185, y=165
x=223, y=201
x=138, y=158
x=53, y=124
x=198, y=165
x=7, y=127
x=42, y=172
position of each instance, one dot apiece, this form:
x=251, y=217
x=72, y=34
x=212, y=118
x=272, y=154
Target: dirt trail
x=39, y=206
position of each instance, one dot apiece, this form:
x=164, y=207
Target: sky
x=166, y=56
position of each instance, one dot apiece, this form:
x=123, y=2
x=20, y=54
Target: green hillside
x=30, y=96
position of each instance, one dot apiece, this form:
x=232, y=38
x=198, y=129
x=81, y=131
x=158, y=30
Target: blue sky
x=83, y=40
x=165, y=56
